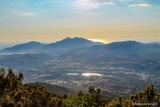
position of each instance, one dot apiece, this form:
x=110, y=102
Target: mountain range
x=59, y=46
x=81, y=46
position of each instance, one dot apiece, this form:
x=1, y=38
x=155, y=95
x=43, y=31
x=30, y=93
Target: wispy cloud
x=91, y=4
x=28, y=14
x=140, y=5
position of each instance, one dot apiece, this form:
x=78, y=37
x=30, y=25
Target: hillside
x=54, y=88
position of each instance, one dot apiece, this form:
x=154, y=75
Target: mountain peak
x=74, y=38
x=71, y=43
x=67, y=38
x=79, y=38
x=33, y=42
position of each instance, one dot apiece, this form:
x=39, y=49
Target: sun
x=97, y=40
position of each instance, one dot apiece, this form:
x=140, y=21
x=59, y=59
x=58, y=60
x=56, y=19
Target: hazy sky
x=106, y=20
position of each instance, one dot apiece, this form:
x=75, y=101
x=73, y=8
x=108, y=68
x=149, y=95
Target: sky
x=99, y=20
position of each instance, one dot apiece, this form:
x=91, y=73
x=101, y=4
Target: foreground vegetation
x=13, y=93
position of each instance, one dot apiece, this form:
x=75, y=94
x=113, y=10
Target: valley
x=115, y=74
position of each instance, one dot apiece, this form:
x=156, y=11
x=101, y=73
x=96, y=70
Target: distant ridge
x=124, y=44
x=116, y=49
x=25, y=47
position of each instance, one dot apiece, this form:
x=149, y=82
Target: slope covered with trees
x=13, y=93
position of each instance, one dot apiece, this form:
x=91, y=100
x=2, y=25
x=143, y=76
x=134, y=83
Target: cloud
x=91, y=4
x=28, y=14
x=140, y=5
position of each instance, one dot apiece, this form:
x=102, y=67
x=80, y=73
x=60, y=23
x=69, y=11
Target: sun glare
x=98, y=40
x=91, y=74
